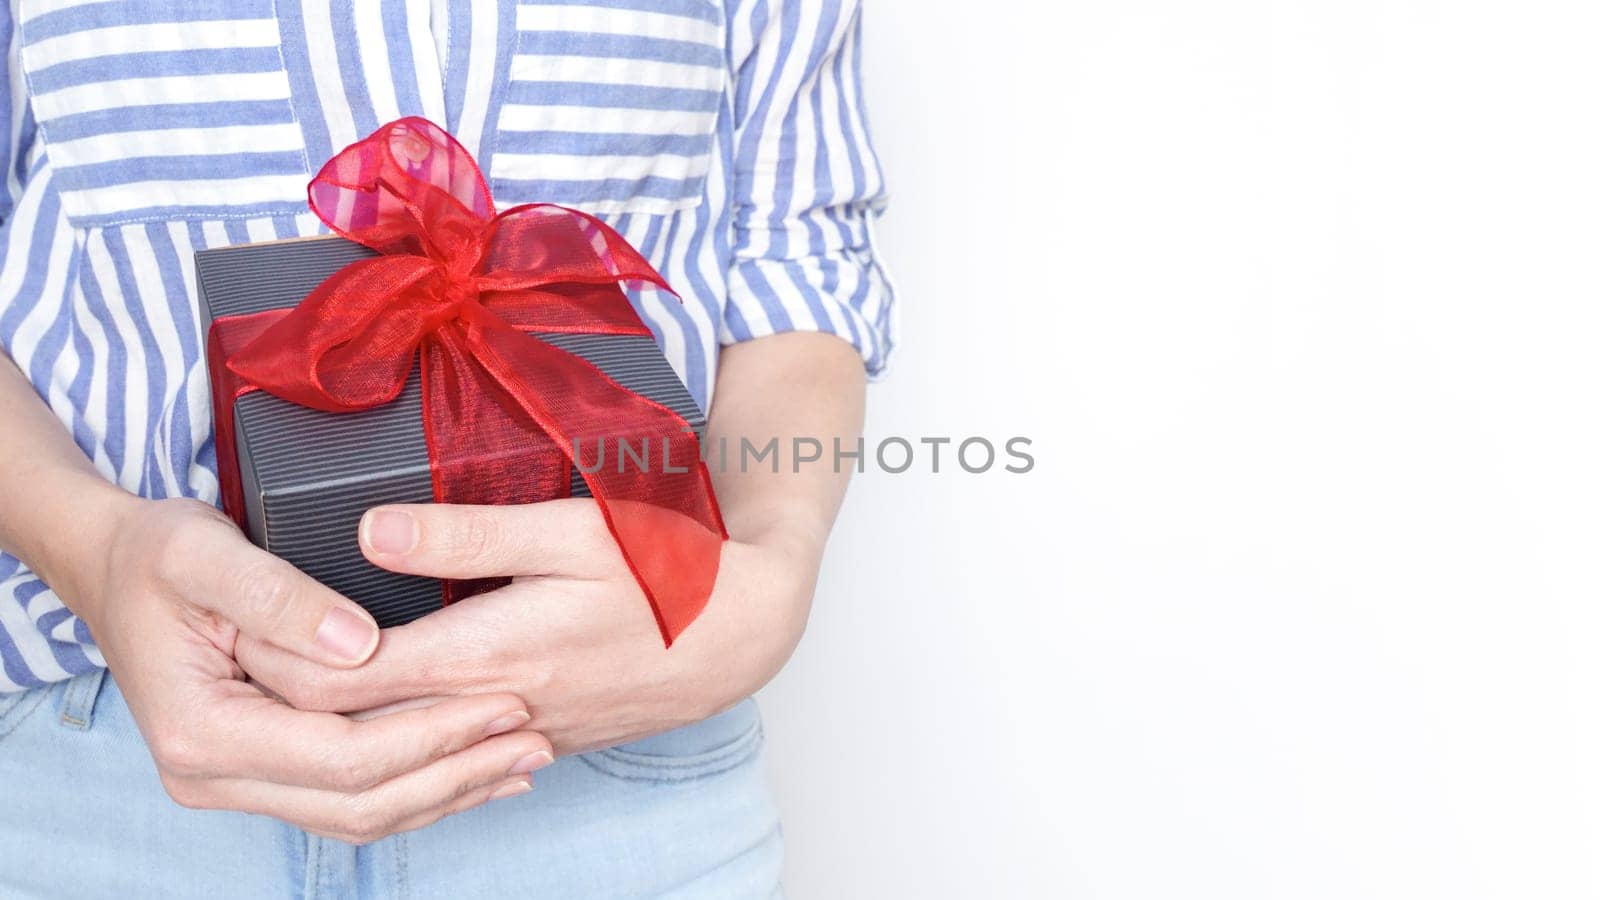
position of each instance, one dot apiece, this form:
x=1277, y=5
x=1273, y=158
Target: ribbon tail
x=640, y=460
x=223, y=340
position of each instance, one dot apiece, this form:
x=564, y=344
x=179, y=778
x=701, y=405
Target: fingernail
x=506, y=722
x=532, y=762
x=346, y=635
x=511, y=790
x=391, y=531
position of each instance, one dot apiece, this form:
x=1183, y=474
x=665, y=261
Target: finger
x=557, y=537
x=272, y=600
x=482, y=789
x=510, y=787
x=261, y=739
x=361, y=715
x=405, y=666
x=451, y=784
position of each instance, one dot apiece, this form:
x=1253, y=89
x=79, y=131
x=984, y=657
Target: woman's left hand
x=572, y=634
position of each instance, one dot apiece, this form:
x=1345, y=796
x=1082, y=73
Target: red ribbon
x=502, y=410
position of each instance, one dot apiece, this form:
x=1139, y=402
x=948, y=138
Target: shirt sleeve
x=807, y=184
x=15, y=117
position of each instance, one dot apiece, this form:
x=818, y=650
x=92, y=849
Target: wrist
x=74, y=548
x=755, y=620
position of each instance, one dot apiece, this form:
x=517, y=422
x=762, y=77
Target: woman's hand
x=167, y=595
x=572, y=635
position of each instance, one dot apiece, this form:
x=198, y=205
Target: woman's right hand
x=167, y=593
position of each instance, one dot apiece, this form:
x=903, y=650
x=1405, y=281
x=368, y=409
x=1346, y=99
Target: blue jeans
x=687, y=814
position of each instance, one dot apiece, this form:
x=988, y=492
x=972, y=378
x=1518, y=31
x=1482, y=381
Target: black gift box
x=309, y=475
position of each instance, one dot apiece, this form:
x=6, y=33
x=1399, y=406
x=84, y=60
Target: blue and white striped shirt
x=724, y=138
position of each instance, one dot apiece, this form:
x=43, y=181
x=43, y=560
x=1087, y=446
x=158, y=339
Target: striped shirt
x=724, y=138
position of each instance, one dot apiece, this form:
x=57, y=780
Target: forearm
x=55, y=509
x=786, y=386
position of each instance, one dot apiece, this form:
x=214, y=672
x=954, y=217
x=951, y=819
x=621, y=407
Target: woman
x=725, y=140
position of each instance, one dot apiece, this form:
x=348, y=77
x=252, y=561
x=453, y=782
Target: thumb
x=272, y=601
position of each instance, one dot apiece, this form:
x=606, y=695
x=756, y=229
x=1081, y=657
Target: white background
x=1298, y=301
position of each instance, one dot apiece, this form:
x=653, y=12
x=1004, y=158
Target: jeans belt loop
x=77, y=706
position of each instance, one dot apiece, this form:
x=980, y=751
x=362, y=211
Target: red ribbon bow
x=502, y=411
